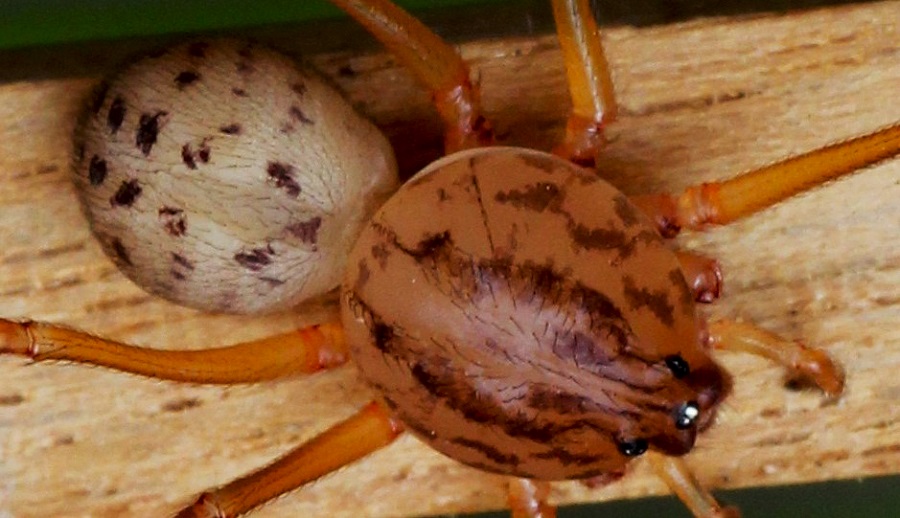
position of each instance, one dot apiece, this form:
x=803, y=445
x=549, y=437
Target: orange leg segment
x=435, y=64
x=681, y=481
x=304, y=351
x=801, y=361
x=528, y=499
x=590, y=83
x=368, y=430
x=719, y=203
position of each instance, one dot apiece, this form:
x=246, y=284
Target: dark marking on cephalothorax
x=98, y=95
x=491, y=453
x=685, y=296
x=231, y=129
x=116, y=115
x=173, y=221
x=608, y=239
x=568, y=458
x=625, y=210
x=657, y=301
x=545, y=163
x=148, y=131
x=240, y=92
x=536, y=197
x=380, y=252
x=197, y=49
x=443, y=195
x=120, y=251
x=299, y=88
x=298, y=115
x=306, y=231
x=127, y=193
x=600, y=239
x=562, y=402
x=182, y=261
x=384, y=337
x=97, y=170
x=256, y=259
x=283, y=177
x=185, y=78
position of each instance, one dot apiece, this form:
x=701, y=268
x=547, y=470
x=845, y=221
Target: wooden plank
x=701, y=100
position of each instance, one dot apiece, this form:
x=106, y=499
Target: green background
x=40, y=38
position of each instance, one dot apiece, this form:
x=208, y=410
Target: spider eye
x=633, y=448
x=686, y=415
x=678, y=366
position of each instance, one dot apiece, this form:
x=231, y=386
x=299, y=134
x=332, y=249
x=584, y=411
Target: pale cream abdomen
x=222, y=176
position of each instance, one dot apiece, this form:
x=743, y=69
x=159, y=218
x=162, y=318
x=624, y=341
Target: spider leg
x=719, y=203
x=703, y=275
x=801, y=361
x=435, y=64
x=370, y=429
x=528, y=499
x=681, y=481
x=590, y=83
x=303, y=351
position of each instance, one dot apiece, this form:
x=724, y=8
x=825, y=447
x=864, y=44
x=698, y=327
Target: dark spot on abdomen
x=256, y=259
x=128, y=192
x=173, y=221
x=283, y=176
x=306, y=231
x=148, y=131
x=186, y=78
x=116, y=115
x=97, y=170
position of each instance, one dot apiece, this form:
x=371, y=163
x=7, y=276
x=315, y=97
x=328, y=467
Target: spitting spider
x=436, y=248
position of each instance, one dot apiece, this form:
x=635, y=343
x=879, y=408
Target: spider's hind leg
x=436, y=65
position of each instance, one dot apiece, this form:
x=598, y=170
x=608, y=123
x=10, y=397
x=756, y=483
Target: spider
x=435, y=244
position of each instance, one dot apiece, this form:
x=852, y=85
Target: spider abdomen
x=505, y=327
x=222, y=176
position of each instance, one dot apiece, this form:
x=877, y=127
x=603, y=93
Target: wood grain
x=701, y=100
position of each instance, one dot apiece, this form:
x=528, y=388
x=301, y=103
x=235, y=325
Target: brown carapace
x=507, y=306
x=546, y=330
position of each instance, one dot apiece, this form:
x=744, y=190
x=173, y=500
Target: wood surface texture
x=700, y=101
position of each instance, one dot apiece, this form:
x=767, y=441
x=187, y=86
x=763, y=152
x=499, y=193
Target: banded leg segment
x=681, y=481
x=801, y=361
x=436, y=65
x=368, y=430
x=590, y=82
x=719, y=203
x=297, y=352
